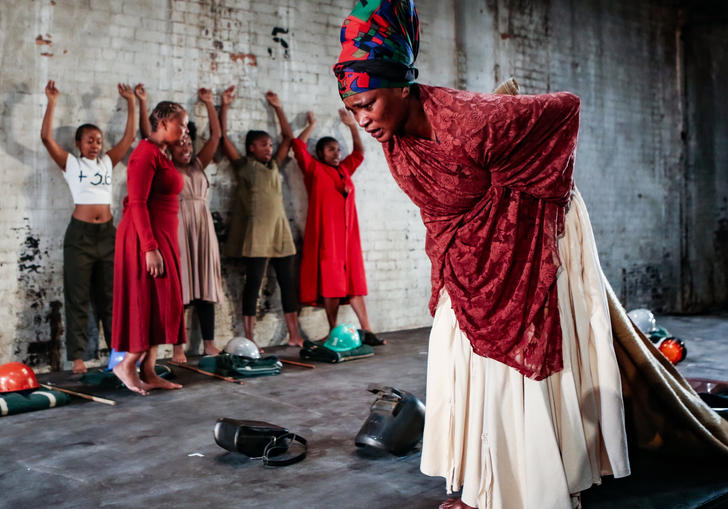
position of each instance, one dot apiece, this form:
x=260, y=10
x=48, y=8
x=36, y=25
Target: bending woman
x=259, y=229
x=148, y=308
x=524, y=404
x=332, y=268
x=88, y=246
x=199, y=251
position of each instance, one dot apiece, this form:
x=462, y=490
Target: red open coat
x=332, y=263
x=492, y=189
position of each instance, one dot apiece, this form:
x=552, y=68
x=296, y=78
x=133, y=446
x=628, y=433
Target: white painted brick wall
x=174, y=48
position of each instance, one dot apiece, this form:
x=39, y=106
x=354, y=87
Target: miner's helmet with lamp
x=16, y=376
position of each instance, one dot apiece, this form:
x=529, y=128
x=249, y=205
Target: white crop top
x=89, y=181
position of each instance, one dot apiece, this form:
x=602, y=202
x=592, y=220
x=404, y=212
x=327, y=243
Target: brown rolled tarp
x=664, y=413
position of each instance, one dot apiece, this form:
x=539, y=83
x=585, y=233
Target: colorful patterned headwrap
x=380, y=40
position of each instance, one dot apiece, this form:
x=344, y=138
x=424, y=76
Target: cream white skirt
x=511, y=442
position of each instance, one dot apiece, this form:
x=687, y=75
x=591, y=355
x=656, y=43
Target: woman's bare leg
x=294, y=335
x=249, y=329
x=150, y=376
x=210, y=348
x=79, y=367
x=178, y=354
x=126, y=371
x=360, y=309
x=331, y=305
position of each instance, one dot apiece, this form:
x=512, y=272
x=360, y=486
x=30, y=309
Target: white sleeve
x=105, y=161
x=72, y=169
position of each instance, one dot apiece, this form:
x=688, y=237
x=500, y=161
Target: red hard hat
x=674, y=349
x=16, y=376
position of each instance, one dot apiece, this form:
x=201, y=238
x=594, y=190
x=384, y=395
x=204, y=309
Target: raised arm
x=121, y=148
x=286, y=130
x=208, y=151
x=227, y=146
x=54, y=149
x=311, y=119
x=144, y=126
x=348, y=119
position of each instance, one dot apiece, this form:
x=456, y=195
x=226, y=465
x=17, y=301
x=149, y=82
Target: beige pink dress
x=199, y=250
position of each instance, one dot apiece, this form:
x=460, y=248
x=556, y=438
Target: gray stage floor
x=158, y=451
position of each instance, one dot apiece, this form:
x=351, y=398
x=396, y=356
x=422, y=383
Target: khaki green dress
x=259, y=227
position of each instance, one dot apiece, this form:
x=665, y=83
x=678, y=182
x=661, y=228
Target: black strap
x=280, y=443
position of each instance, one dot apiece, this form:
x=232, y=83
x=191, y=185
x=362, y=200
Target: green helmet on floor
x=343, y=338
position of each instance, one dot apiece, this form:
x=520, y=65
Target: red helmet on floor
x=674, y=349
x=16, y=376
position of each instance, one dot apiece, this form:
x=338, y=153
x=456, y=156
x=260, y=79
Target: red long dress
x=148, y=311
x=332, y=263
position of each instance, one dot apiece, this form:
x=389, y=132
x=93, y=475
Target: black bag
x=258, y=440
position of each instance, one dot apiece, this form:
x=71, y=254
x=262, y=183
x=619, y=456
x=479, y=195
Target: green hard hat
x=658, y=333
x=343, y=338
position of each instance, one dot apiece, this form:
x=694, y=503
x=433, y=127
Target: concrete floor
x=158, y=451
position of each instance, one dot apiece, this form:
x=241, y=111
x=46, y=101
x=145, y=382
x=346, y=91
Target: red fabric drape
x=332, y=263
x=148, y=311
x=492, y=190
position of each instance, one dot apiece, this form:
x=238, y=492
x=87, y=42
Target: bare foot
x=130, y=378
x=79, y=367
x=178, y=354
x=296, y=342
x=455, y=503
x=156, y=382
x=210, y=348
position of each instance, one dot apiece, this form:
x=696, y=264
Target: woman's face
x=262, y=149
x=176, y=127
x=331, y=154
x=90, y=143
x=182, y=151
x=382, y=112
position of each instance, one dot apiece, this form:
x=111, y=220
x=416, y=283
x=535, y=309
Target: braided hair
x=163, y=110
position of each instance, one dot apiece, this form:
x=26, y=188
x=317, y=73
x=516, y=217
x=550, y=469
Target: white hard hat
x=243, y=347
x=643, y=319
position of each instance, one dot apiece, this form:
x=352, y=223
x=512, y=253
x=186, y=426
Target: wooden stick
x=79, y=394
x=296, y=363
x=198, y=370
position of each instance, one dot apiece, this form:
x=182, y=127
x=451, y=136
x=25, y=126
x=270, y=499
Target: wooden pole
x=214, y=375
x=296, y=363
x=79, y=394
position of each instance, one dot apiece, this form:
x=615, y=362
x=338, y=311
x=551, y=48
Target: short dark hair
x=321, y=144
x=85, y=127
x=164, y=109
x=252, y=137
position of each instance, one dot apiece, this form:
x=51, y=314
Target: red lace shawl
x=492, y=190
